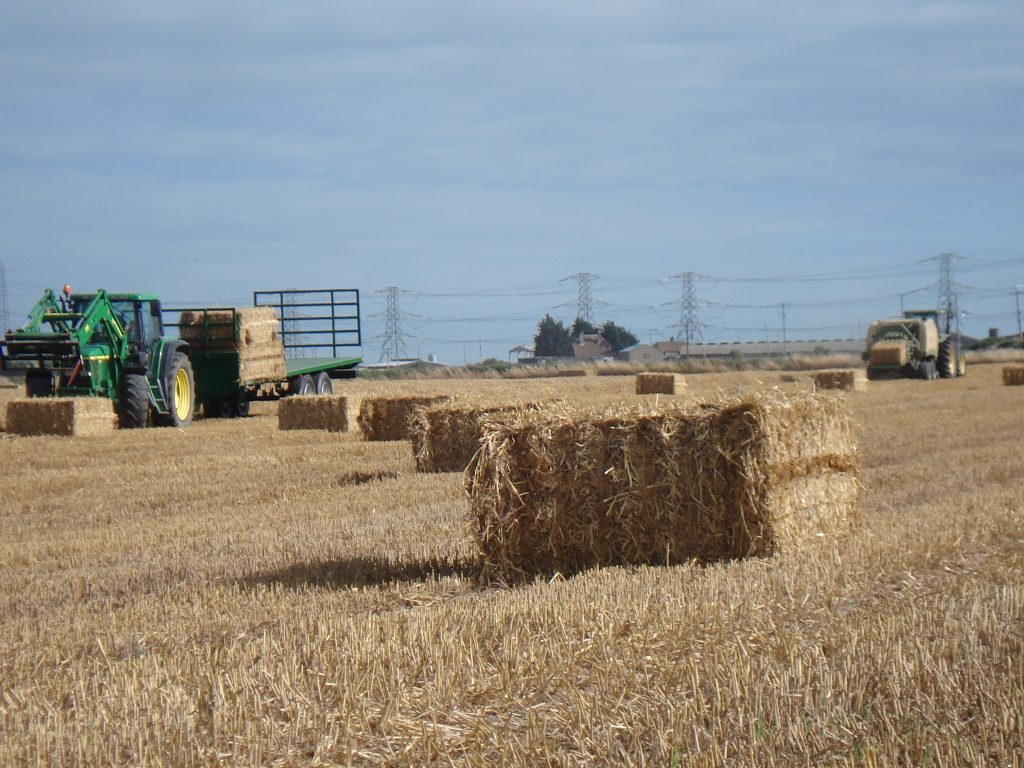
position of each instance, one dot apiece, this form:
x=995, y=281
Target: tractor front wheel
x=179, y=393
x=134, y=410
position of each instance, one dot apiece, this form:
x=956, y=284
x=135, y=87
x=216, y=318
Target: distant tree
x=617, y=336
x=579, y=325
x=552, y=339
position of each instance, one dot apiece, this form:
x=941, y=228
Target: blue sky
x=492, y=150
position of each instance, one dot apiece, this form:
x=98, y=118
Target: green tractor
x=105, y=345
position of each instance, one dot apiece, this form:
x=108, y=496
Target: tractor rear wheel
x=947, y=359
x=323, y=384
x=134, y=410
x=180, y=393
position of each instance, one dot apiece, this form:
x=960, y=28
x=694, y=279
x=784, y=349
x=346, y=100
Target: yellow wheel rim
x=182, y=394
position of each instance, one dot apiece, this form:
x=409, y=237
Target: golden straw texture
x=560, y=492
x=388, y=418
x=327, y=412
x=66, y=416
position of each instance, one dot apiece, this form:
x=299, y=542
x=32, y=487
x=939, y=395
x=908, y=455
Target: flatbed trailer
x=222, y=387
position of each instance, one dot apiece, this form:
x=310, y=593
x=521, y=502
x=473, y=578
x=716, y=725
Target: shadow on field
x=356, y=572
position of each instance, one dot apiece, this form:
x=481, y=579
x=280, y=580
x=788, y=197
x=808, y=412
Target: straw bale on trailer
x=253, y=335
x=657, y=383
x=560, y=492
x=1013, y=375
x=327, y=412
x=889, y=353
x=388, y=418
x=446, y=436
x=66, y=416
x=849, y=380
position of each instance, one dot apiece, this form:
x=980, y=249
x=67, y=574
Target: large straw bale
x=889, y=353
x=446, y=436
x=563, y=491
x=388, y=417
x=66, y=416
x=253, y=326
x=253, y=336
x=657, y=383
x=327, y=412
x=849, y=380
x=1013, y=375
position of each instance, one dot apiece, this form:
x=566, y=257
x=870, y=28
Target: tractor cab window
x=128, y=315
x=152, y=325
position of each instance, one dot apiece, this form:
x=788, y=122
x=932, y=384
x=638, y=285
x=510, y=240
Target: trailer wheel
x=38, y=383
x=134, y=406
x=302, y=385
x=181, y=393
x=241, y=408
x=323, y=384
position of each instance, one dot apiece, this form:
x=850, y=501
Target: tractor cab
x=140, y=318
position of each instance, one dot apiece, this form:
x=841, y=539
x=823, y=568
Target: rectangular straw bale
x=563, y=491
x=848, y=380
x=327, y=412
x=254, y=336
x=66, y=416
x=253, y=326
x=260, y=368
x=1013, y=375
x=888, y=353
x=388, y=418
x=656, y=383
x=446, y=436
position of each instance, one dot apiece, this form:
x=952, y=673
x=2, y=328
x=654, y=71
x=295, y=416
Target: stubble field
x=236, y=594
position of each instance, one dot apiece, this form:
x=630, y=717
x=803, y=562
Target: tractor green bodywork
x=85, y=345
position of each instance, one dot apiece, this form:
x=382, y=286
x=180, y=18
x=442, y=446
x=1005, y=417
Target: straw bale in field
x=849, y=380
x=563, y=491
x=889, y=353
x=1013, y=375
x=657, y=383
x=66, y=416
x=327, y=412
x=388, y=418
x=253, y=335
x=571, y=372
x=445, y=437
